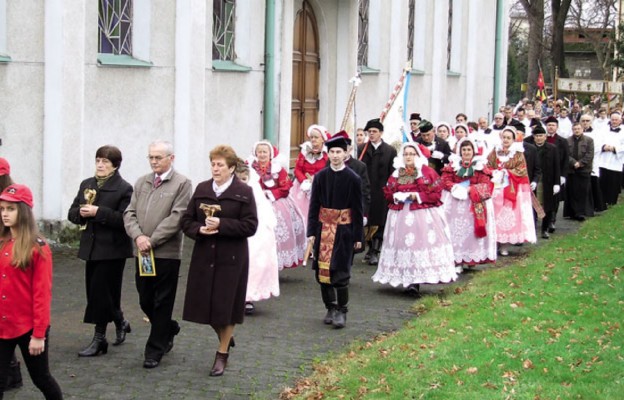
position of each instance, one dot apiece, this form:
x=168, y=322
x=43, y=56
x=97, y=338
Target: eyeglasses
x=586, y=120
x=158, y=158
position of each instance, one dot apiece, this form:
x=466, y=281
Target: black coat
x=360, y=168
x=551, y=174
x=336, y=190
x=217, y=279
x=379, y=166
x=105, y=237
x=562, y=148
x=534, y=168
x=442, y=146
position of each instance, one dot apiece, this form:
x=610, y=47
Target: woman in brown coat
x=217, y=281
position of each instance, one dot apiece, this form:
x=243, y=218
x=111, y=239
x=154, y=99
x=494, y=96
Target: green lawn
x=544, y=327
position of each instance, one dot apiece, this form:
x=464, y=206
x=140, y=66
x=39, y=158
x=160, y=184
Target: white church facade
x=76, y=75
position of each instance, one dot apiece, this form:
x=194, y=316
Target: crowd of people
x=446, y=199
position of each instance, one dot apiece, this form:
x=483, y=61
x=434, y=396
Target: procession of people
x=442, y=201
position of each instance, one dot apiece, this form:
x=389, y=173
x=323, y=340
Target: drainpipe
x=268, y=123
x=498, y=51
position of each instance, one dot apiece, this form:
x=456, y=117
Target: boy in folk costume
x=335, y=225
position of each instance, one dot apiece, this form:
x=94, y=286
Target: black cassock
x=335, y=190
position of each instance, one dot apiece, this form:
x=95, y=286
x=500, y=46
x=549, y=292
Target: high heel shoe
x=98, y=345
x=219, y=365
x=122, y=329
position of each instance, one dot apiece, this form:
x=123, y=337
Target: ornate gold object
x=89, y=195
x=210, y=210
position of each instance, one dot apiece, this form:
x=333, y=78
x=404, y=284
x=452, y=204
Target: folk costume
x=512, y=195
x=335, y=220
x=417, y=242
x=378, y=159
x=309, y=162
x=263, y=281
x=469, y=208
x=290, y=228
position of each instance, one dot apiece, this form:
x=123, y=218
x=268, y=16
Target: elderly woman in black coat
x=217, y=280
x=98, y=209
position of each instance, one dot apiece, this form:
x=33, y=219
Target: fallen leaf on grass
x=527, y=364
x=472, y=370
x=489, y=385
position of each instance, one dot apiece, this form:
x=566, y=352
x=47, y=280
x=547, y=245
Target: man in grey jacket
x=152, y=221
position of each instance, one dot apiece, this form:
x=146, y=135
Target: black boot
x=368, y=254
x=98, y=344
x=340, y=315
x=376, y=247
x=121, y=328
x=14, y=380
x=328, y=293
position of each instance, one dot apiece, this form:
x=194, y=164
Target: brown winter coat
x=217, y=280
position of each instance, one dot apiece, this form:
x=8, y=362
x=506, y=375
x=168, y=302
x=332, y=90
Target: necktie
x=157, y=182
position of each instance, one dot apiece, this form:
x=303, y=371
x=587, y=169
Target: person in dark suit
x=335, y=229
x=217, y=279
x=378, y=157
x=549, y=186
x=438, y=147
x=359, y=168
x=552, y=125
x=104, y=246
x=577, y=204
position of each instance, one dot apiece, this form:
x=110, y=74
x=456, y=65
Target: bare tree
x=559, y=9
x=535, y=14
x=595, y=20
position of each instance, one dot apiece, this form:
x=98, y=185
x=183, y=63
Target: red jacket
x=302, y=166
x=25, y=295
x=428, y=187
x=278, y=184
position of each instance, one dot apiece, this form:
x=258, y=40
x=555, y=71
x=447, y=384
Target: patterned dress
x=289, y=230
x=471, y=220
x=512, y=196
x=416, y=242
x=263, y=280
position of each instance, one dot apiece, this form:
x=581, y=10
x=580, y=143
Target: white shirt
x=220, y=189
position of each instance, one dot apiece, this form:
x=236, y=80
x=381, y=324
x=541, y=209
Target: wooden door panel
x=306, y=62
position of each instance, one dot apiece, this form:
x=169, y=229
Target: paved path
x=274, y=347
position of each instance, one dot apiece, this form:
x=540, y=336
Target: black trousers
x=156, y=298
x=103, y=281
x=596, y=197
x=38, y=367
x=611, y=185
x=578, y=196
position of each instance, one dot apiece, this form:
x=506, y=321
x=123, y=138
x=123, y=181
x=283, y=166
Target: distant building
x=580, y=56
x=75, y=75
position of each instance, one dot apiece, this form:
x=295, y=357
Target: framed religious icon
x=147, y=266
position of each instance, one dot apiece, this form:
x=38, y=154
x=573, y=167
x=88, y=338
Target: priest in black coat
x=552, y=125
x=335, y=228
x=378, y=157
x=550, y=184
